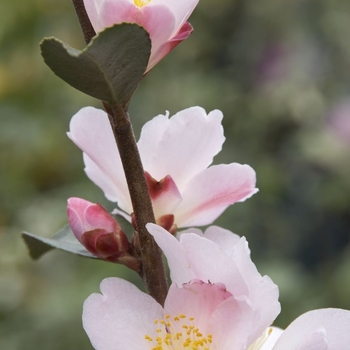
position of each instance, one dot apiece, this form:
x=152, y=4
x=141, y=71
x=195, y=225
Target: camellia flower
x=164, y=20
x=203, y=314
x=198, y=314
x=100, y=233
x=176, y=153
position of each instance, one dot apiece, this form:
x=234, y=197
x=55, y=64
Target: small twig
x=85, y=24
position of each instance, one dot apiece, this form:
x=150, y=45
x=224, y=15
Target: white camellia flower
x=176, y=154
x=164, y=20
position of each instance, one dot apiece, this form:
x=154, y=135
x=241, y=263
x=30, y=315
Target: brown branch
x=153, y=272
x=85, y=24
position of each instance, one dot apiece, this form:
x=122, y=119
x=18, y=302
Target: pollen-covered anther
x=141, y=3
x=179, y=333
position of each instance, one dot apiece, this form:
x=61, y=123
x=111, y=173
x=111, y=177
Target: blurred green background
x=280, y=72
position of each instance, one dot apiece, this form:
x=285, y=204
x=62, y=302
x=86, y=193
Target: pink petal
x=187, y=263
x=181, y=9
x=164, y=194
x=184, y=147
x=209, y=193
x=120, y=317
x=231, y=324
x=91, y=132
x=170, y=45
x=75, y=212
x=317, y=328
x=225, y=239
x=159, y=22
x=196, y=299
x=180, y=269
x=112, y=12
x=98, y=217
x=263, y=293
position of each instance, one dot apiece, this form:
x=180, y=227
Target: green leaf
x=63, y=240
x=109, y=68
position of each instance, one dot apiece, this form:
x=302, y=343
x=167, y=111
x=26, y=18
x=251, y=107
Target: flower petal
x=197, y=300
x=120, y=317
x=225, y=239
x=181, y=9
x=317, y=328
x=164, y=194
x=231, y=324
x=209, y=193
x=170, y=45
x=111, y=12
x=159, y=22
x=263, y=293
x=91, y=132
x=98, y=217
x=75, y=212
x=92, y=11
x=182, y=148
x=181, y=270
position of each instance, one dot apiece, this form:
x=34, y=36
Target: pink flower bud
x=97, y=230
x=85, y=216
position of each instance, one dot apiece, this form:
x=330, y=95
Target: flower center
x=141, y=3
x=178, y=333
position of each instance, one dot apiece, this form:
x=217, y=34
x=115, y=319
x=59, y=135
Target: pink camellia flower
x=206, y=314
x=164, y=20
x=201, y=313
x=219, y=256
x=100, y=233
x=176, y=153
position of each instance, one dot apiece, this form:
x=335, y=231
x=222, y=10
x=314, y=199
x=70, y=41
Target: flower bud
x=97, y=230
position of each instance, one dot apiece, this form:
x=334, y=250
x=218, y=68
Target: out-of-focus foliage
x=279, y=70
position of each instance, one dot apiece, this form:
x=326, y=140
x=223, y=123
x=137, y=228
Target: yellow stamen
x=170, y=337
x=141, y=3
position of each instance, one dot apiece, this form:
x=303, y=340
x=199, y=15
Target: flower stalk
x=153, y=271
x=84, y=21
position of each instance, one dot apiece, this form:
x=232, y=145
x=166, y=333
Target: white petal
x=120, y=318
x=263, y=293
x=316, y=328
x=91, y=132
x=209, y=193
x=180, y=268
x=182, y=148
